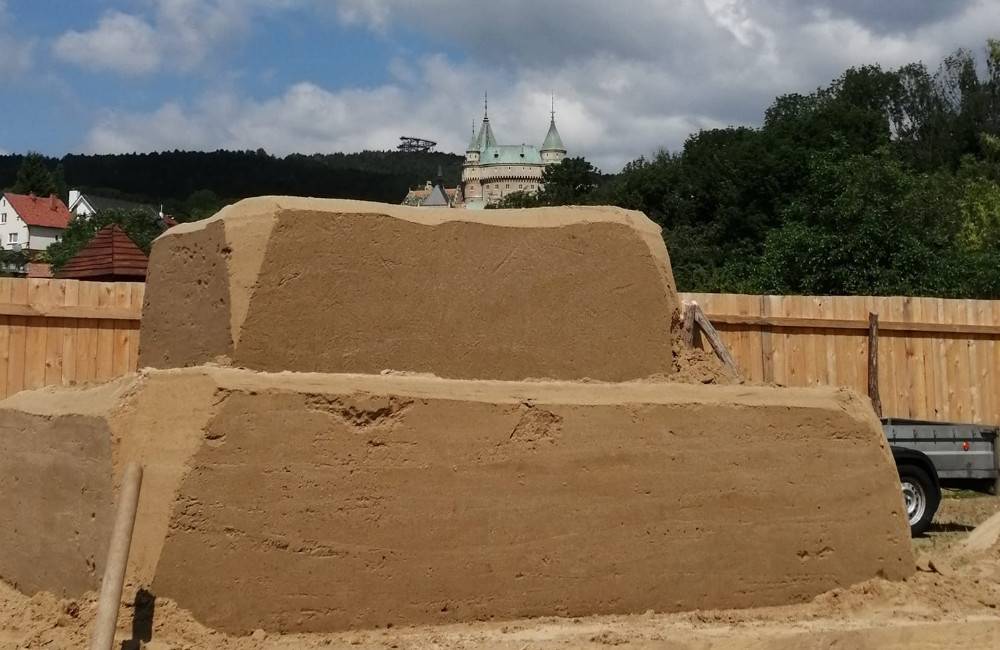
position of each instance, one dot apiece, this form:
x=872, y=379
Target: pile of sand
x=927, y=610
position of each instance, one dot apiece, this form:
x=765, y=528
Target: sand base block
x=300, y=502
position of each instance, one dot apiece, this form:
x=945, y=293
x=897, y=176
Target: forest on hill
x=194, y=184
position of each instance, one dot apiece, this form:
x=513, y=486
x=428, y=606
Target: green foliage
x=884, y=182
x=571, y=181
x=517, y=200
x=171, y=178
x=12, y=263
x=33, y=177
x=141, y=226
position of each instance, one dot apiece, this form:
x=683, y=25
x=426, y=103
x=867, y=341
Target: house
x=86, y=205
x=420, y=195
x=31, y=223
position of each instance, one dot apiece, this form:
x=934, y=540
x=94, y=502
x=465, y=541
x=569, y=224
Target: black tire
x=921, y=497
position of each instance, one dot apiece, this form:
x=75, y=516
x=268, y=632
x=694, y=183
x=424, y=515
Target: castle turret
x=473, y=151
x=486, y=137
x=552, y=148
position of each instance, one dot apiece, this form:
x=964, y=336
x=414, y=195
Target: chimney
x=52, y=202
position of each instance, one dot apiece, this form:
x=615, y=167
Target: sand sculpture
x=334, y=497
x=341, y=286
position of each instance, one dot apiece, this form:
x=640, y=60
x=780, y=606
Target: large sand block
x=318, y=285
x=308, y=502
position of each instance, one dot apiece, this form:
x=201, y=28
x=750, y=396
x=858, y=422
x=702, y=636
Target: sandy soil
x=950, y=603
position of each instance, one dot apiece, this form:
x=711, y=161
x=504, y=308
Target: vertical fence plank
x=70, y=327
x=54, y=335
x=35, y=335
x=18, y=338
x=924, y=387
x=6, y=286
x=138, y=294
x=86, y=335
x=123, y=331
x=105, y=334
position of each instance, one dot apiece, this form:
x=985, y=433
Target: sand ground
x=951, y=602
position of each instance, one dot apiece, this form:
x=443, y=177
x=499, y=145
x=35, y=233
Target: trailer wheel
x=920, y=496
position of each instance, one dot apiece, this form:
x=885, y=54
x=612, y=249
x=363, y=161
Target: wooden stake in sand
x=873, y=363
x=694, y=316
x=114, y=570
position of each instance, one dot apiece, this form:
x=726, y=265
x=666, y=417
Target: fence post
x=873, y=363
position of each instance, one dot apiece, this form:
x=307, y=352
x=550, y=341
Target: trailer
x=934, y=455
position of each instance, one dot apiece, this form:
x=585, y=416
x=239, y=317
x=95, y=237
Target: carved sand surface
x=356, y=415
x=348, y=286
x=309, y=502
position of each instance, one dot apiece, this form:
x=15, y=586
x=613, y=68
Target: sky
x=629, y=77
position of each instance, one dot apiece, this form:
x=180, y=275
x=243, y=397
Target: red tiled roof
x=49, y=212
x=110, y=255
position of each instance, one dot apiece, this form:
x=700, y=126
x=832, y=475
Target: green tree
x=33, y=177
x=140, y=225
x=571, y=181
x=202, y=204
x=517, y=200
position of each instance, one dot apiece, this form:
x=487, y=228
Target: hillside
x=189, y=183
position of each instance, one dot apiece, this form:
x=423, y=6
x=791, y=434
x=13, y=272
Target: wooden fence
x=937, y=359
x=66, y=331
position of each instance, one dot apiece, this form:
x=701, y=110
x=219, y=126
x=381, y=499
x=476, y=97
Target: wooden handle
x=114, y=570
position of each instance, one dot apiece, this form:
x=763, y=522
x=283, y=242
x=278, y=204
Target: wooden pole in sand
x=873, y=363
x=714, y=339
x=114, y=570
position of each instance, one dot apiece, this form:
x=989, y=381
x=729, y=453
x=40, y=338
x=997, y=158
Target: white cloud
x=174, y=35
x=16, y=53
x=628, y=77
x=120, y=42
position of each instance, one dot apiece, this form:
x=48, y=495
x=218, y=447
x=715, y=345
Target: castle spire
x=553, y=143
x=474, y=142
x=486, y=139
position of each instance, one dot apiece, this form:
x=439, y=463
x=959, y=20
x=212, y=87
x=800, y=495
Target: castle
x=492, y=171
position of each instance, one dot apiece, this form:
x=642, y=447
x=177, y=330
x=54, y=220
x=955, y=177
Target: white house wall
x=36, y=238
x=42, y=238
x=10, y=222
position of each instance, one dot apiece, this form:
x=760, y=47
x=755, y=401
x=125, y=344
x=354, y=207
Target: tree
x=570, y=181
x=140, y=225
x=33, y=177
x=202, y=204
x=519, y=199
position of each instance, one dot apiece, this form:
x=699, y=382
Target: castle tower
x=473, y=151
x=552, y=149
x=494, y=171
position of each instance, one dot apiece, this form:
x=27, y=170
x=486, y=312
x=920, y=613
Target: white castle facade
x=492, y=171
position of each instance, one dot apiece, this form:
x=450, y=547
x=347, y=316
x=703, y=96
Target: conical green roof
x=552, y=140
x=486, y=139
x=474, y=142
